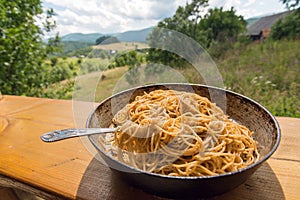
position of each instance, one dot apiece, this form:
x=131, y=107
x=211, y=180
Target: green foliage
x=71, y=48
x=58, y=72
x=165, y=58
x=291, y=3
x=186, y=19
x=22, y=51
x=217, y=31
x=266, y=72
x=287, y=28
x=61, y=90
x=133, y=75
x=92, y=65
x=79, y=49
x=222, y=29
x=133, y=60
x=279, y=102
x=98, y=53
x=53, y=61
x=130, y=58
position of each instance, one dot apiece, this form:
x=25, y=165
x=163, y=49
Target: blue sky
x=110, y=16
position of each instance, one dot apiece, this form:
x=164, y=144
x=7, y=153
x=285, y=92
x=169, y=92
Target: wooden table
x=71, y=168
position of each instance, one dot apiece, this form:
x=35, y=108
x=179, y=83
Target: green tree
x=288, y=28
x=133, y=62
x=222, y=26
x=22, y=50
x=185, y=20
x=221, y=29
x=217, y=31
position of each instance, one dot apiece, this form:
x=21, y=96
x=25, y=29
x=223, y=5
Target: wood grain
x=71, y=169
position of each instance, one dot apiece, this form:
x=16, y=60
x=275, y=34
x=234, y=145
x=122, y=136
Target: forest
x=267, y=70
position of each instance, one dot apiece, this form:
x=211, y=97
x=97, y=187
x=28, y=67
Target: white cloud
x=250, y=8
x=108, y=16
x=225, y=4
x=249, y=3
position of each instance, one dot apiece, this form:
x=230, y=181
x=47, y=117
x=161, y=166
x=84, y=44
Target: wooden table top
x=71, y=168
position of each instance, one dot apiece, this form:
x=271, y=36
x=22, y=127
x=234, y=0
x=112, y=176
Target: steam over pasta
x=178, y=133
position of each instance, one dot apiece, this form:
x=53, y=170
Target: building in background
x=260, y=29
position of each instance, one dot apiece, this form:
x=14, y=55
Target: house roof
x=265, y=23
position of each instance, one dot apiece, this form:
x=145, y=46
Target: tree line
x=217, y=31
x=24, y=69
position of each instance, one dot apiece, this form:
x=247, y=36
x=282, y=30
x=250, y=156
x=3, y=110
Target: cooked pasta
x=179, y=133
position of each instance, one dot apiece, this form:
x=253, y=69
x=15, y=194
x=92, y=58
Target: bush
x=266, y=72
x=287, y=28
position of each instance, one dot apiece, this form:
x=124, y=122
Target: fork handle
x=57, y=135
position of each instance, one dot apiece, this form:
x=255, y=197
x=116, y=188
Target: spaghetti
x=179, y=133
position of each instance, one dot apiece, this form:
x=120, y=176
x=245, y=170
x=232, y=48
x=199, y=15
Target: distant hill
x=252, y=20
x=70, y=46
x=81, y=37
x=134, y=36
x=128, y=36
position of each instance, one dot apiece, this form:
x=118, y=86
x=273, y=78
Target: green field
x=91, y=87
x=267, y=72
x=122, y=46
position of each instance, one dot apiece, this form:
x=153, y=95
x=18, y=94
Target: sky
x=112, y=16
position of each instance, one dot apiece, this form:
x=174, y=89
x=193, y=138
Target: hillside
x=71, y=46
x=128, y=36
x=81, y=37
x=267, y=72
x=134, y=36
x=122, y=46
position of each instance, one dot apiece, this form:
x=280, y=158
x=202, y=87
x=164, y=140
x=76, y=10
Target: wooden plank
x=69, y=168
x=272, y=181
x=55, y=167
x=289, y=148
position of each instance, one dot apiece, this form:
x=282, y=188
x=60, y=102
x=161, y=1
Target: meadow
x=267, y=72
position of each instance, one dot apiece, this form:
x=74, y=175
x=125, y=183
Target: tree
x=291, y=3
x=288, y=28
x=22, y=50
x=221, y=29
x=222, y=26
x=185, y=20
x=217, y=30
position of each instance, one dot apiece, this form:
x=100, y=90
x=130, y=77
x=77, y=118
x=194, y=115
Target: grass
x=122, y=46
x=267, y=72
x=91, y=87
